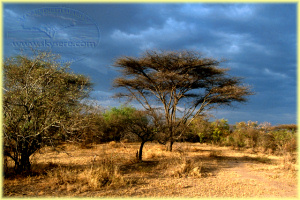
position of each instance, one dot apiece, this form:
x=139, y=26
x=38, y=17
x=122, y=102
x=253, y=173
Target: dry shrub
x=86, y=145
x=113, y=144
x=102, y=176
x=250, y=151
x=62, y=176
x=151, y=154
x=162, y=147
x=291, y=145
x=215, y=153
x=252, y=136
x=131, y=160
x=289, y=162
x=66, y=179
x=263, y=159
x=68, y=147
x=155, y=152
x=187, y=168
x=180, y=149
x=292, y=127
x=42, y=168
x=105, y=173
x=126, y=140
x=184, y=148
x=195, y=149
x=269, y=151
x=266, y=142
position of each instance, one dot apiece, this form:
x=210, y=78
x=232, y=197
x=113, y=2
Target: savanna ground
x=191, y=170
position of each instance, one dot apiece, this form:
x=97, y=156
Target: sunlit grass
x=112, y=170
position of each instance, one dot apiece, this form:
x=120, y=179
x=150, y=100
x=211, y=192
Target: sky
x=257, y=40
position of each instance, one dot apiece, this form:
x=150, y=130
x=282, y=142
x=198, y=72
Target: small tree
x=90, y=125
x=178, y=79
x=117, y=120
x=39, y=101
x=146, y=126
x=203, y=128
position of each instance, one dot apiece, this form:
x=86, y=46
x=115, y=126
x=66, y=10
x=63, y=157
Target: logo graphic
x=64, y=31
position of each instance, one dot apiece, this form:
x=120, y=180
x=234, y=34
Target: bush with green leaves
x=281, y=138
x=210, y=132
x=116, y=120
x=220, y=130
x=245, y=134
x=201, y=127
x=285, y=141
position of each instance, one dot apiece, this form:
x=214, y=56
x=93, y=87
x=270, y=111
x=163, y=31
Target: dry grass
x=191, y=170
x=186, y=168
x=215, y=153
x=114, y=144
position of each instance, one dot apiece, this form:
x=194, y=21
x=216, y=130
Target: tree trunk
x=23, y=164
x=141, y=150
x=169, y=148
x=171, y=145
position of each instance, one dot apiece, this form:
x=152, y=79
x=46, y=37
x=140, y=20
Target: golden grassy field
x=191, y=170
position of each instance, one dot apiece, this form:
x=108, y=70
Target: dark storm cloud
x=259, y=41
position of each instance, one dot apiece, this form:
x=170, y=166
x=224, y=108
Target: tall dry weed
x=290, y=162
x=215, y=153
x=186, y=168
x=61, y=177
x=103, y=173
x=106, y=173
x=114, y=144
x=158, y=151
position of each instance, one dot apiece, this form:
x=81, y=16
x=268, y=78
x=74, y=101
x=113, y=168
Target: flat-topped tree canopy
x=174, y=77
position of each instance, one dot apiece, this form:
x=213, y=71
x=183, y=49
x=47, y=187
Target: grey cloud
x=259, y=40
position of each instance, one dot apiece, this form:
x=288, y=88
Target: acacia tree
x=40, y=100
x=174, y=80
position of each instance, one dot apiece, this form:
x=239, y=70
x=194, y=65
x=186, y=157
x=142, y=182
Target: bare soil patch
x=191, y=170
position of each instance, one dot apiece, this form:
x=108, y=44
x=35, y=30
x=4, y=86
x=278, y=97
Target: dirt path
x=243, y=172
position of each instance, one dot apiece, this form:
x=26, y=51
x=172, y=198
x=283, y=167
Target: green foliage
x=116, y=120
x=285, y=140
x=280, y=139
x=202, y=127
x=244, y=135
x=120, y=113
x=220, y=129
x=210, y=132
